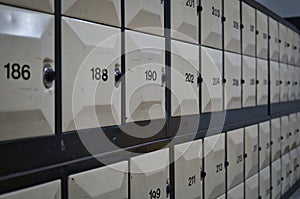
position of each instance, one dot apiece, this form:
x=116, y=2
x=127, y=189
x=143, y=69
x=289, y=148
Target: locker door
x=291, y=42
x=211, y=25
x=214, y=156
x=188, y=165
x=284, y=82
x=262, y=77
x=291, y=76
x=251, y=187
x=185, y=72
x=249, y=85
x=297, y=86
x=285, y=138
x=41, y=5
x=145, y=92
x=293, y=131
x=264, y=144
x=145, y=16
x=297, y=130
x=293, y=166
x=276, y=179
x=298, y=155
x=148, y=180
x=235, y=151
x=264, y=186
x=283, y=43
x=232, y=33
x=236, y=192
x=274, y=40
x=27, y=76
x=298, y=50
x=251, y=150
x=212, y=86
x=262, y=35
x=248, y=31
x=104, y=11
x=275, y=81
x=113, y=180
x=233, y=81
x=285, y=173
x=51, y=190
x=276, y=138
x=90, y=55
x=184, y=19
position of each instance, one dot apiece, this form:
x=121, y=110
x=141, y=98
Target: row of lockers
x=258, y=160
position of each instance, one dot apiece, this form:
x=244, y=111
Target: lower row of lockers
x=258, y=161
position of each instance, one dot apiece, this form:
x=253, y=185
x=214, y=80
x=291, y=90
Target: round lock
x=48, y=76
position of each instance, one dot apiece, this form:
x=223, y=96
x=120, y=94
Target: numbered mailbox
x=26, y=76
x=274, y=40
x=293, y=131
x=276, y=179
x=276, y=138
x=285, y=173
x=236, y=192
x=212, y=85
x=113, y=180
x=51, y=190
x=265, y=185
x=42, y=5
x=264, y=144
x=232, y=32
x=149, y=175
x=90, y=56
x=104, y=11
x=145, y=16
x=291, y=84
x=184, y=20
x=291, y=44
x=275, y=82
x=235, y=157
x=214, y=156
x=185, y=75
x=293, y=166
x=285, y=138
x=262, y=35
x=284, y=86
x=251, y=187
x=249, y=81
x=232, y=85
x=211, y=24
x=188, y=165
x=145, y=71
x=248, y=29
x=251, y=150
x=283, y=43
x=262, y=80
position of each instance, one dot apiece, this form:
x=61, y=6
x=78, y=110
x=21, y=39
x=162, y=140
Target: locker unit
x=232, y=86
x=264, y=183
x=89, y=68
x=236, y=192
x=212, y=85
x=293, y=166
x=214, y=156
x=185, y=73
x=291, y=77
x=262, y=35
x=284, y=86
x=298, y=155
x=297, y=80
x=251, y=150
x=298, y=50
x=184, y=19
x=144, y=15
x=50, y=190
x=248, y=29
x=232, y=33
x=283, y=43
x=249, y=81
x=276, y=179
x=145, y=71
x=113, y=180
x=291, y=42
x=43, y=5
x=293, y=130
x=262, y=82
x=264, y=144
x=27, y=77
x=285, y=173
x=275, y=82
x=235, y=157
x=211, y=24
x=298, y=128
x=275, y=139
x=188, y=166
x=285, y=138
x=274, y=39
x=105, y=11
x=148, y=179
x=251, y=187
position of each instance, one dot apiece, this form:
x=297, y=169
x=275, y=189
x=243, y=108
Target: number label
x=216, y=12
x=190, y=3
x=219, y=168
x=239, y=159
x=16, y=71
x=154, y=194
x=216, y=81
x=252, y=27
x=189, y=78
x=151, y=75
x=235, y=82
x=99, y=74
x=236, y=25
x=192, y=180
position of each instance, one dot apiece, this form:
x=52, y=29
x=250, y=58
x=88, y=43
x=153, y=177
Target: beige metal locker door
x=283, y=43
x=248, y=31
x=262, y=86
x=293, y=166
x=285, y=138
x=249, y=77
x=291, y=42
x=251, y=150
x=275, y=82
x=285, y=173
x=41, y=5
x=275, y=139
x=262, y=35
x=291, y=85
x=293, y=130
x=251, y=187
x=276, y=179
x=27, y=76
x=264, y=144
x=274, y=40
x=236, y=192
x=264, y=183
x=284, y=86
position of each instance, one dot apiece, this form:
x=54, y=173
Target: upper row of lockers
x=240, y=20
